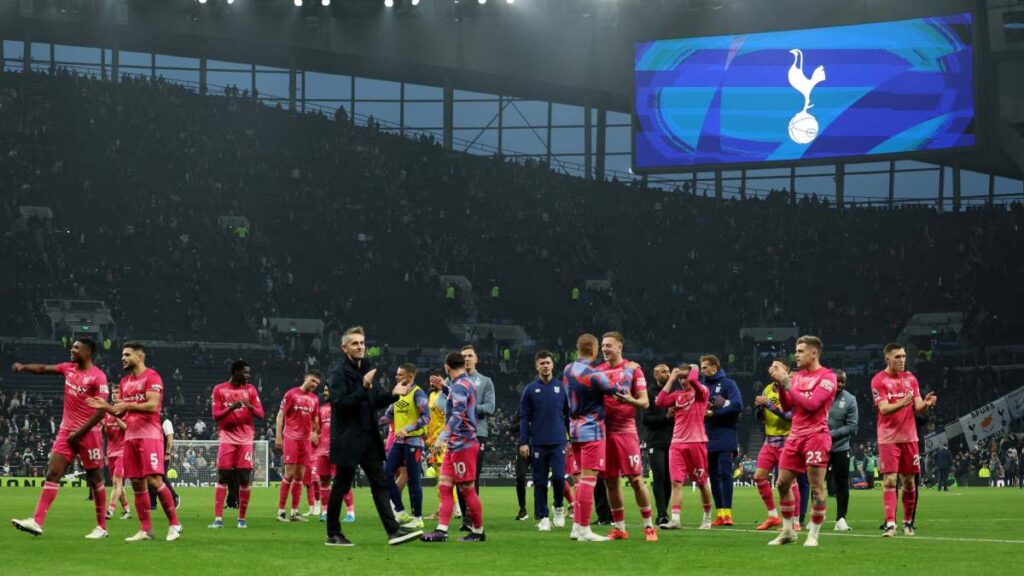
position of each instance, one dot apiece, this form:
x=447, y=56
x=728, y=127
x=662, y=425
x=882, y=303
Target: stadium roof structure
x=571, y=51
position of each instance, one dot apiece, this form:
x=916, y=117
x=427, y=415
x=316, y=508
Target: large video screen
x=822, y=93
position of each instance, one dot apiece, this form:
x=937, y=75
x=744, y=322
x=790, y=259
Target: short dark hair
x=781, y=360
x=541, y=354
x=408, y=367
x=711, y=359
x=88, y=343
x=455, y=360
x=467, y=347
x=134, y=345
x=314, y=373
x=238, y=365
x=892, y=346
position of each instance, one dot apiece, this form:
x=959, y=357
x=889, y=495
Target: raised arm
x=36, y=368
x=822, y=392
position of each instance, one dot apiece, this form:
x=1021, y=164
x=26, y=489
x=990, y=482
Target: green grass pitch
x=965, y=531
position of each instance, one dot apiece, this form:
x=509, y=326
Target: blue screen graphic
x=885, y=88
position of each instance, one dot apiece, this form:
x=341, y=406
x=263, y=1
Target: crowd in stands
x=199, y=218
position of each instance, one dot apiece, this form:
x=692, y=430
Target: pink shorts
x=812, y=450
x=231, y=456
x=902, y=458
x=688, y=460
x=297, y=452
x=622, y=456
x=768, y=457
x=570, y=462
x=89, y=447
x=322, y=466
x=143, y=457
x=461, y=465
x=589, y=455
x=116, y=466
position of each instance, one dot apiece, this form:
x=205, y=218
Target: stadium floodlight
x=510, y=1
x=231, y=1
x=389, y=3
x=325, y=2
x=298, y=3
x=202, y=1
x=481, y=2
x=415, y=2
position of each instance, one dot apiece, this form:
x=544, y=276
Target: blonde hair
x=345, y=337
x=586, y=345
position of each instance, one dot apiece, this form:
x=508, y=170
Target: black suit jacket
x=354, y=412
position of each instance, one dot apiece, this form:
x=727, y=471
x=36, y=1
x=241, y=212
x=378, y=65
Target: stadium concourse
x=136, y=200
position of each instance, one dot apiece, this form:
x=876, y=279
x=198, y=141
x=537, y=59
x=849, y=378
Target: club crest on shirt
x=558, y=390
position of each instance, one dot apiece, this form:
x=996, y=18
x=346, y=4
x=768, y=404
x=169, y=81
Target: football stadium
x=512, y=286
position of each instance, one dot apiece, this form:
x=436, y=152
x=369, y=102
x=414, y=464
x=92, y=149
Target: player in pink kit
x=622, y=451
x=897, y=396
x=78, y=434
x=142, y=393
x=113, y=429
x=809, y=394
x=298, y=428
x=235, y=404
x=688, y=454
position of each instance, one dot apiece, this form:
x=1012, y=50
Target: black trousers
x=601, y=505
x=662, y=484
x=372, y=463
x=944, y=479
x=522, y=471
x=839, y=474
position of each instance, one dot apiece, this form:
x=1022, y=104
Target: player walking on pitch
x=235, y=404
x=142, y=392
x=78, y=434
x=897, y=396
x=809, y=393
x=688, y=454
x=297, y=430
x=623, y=444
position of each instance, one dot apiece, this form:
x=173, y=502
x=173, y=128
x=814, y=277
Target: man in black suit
x=355, y=439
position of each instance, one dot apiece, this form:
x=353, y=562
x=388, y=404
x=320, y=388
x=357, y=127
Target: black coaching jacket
x=354, y=411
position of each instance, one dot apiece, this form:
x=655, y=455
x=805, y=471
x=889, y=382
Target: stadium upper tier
x=348, y=224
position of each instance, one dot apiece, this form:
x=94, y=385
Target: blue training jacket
x=721, y=425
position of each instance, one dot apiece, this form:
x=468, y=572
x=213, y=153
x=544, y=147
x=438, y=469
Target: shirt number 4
x=813, y=457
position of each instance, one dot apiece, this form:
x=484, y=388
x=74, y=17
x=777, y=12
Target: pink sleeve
x=102, y=389
x=257, y=406
x=154, y=383
x=286, y=402
x=700, y=391
x=877, y=389
x=785, y=399
x=65, y=367
x=822, y=392
x=917, y=387
x=664, y=400
x=219, y=410
x=639, y=381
